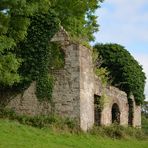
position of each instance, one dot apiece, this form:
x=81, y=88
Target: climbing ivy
x=37, y=52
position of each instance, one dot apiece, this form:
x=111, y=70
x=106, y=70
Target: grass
x=145, y=124
x=16, y=135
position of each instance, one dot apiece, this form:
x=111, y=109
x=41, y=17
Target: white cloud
x=124, y=19
x=126, y=22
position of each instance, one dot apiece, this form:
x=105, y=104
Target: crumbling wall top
x=61, y=37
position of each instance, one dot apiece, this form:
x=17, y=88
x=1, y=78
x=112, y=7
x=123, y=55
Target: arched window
x=115, y=114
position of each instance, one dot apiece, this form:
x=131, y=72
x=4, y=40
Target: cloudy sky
x=126, y=22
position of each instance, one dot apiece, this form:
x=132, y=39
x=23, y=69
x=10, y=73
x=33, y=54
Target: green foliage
x=25, y=31
x=102, y=73
x=44, y=87
x=78, y=17
x=37, y=53
x=8, y=67
x=124, y=70
x=14, y=16
x=114, y=131
x=14, y=135
x=57, y=56
x=119, y=132
x=144, y=121
x=39, y=121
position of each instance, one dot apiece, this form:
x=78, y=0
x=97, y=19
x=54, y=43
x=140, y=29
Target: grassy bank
x=145, y=124
x=15, y=135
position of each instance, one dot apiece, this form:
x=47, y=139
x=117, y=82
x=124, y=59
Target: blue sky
x=126, y=22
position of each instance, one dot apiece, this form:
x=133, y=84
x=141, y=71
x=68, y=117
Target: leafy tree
x=8, y=62
x=125, y=72
x=25, y=31
x=77, y=17
x=36, y=52
x=15, y=20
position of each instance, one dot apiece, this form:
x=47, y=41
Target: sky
x=126, y=22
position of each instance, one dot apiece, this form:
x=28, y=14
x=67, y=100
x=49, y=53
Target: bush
x=118, y=132
x=39, y=121
x=145, y=124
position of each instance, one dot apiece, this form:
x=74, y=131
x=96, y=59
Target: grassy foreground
x=15, y=135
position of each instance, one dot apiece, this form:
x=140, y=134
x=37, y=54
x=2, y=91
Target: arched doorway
x=115, y=113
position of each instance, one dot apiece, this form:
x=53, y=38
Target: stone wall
x=66, y=92
x=73, y=92
x=136, y=114
x=114, y=95
x=86, y=89
x=25, y=102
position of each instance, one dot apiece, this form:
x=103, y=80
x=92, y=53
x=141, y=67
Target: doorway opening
x=115, y=113
x=130, y=112
x=97, y=110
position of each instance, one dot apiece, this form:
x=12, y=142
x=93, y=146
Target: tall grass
x=119, y=132
x=67, y=125
x=16, y=135
x=145, y=124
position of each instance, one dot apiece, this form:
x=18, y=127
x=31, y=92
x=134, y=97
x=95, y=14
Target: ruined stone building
x=76, y=93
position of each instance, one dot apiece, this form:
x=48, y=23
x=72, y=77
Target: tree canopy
x=26, y=28
x=125, y=72
x=77, y=17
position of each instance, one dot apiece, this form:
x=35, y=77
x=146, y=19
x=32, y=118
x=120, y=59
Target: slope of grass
x=145, y=124
x=15, y=135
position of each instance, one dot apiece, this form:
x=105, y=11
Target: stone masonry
x=74, y=90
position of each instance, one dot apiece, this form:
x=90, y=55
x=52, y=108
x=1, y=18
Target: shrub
x=39, y=121
x=118, y=132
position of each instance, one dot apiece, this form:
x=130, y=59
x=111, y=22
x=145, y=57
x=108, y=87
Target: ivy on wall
x=39, y=55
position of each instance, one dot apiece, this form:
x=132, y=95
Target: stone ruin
x=77, y=93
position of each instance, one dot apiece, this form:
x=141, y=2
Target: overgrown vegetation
x=14, y=135
x=103, y=75
x=78, y=17
x=145, y=124
x=26, y=28
x=65, y=124
x=116, y=131
x=40, y=121
x=36, y=53
x=124, y=71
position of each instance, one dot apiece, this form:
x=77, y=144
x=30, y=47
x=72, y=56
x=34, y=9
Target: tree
x=125, y=72
x=26, y=28
x=8, y=62
x=77, y=17
x=15, y=20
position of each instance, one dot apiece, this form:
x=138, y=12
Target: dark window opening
x=130, y=112
x=97, y=110
x=115, y=114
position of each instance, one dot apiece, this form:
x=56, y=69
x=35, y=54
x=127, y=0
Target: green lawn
x=15, y=135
